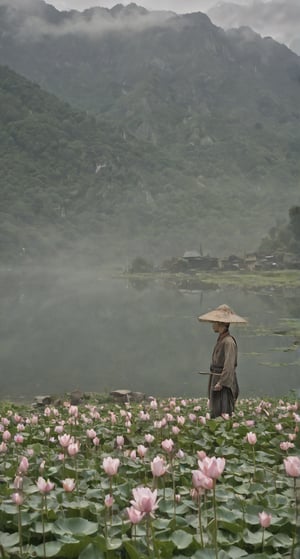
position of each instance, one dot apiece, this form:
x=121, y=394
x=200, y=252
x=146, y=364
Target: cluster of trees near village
x=279, y=249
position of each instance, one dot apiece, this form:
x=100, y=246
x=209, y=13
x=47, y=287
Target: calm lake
x=63, y=330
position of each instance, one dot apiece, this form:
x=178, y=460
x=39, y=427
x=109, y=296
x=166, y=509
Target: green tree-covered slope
x=65, y=176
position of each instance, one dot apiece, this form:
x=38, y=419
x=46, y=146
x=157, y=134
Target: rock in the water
x=127, y=396
x=43, y=400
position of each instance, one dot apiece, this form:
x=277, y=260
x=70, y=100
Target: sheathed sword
x=210, y=373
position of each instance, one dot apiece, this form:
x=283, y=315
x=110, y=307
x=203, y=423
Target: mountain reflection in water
x=79, y=329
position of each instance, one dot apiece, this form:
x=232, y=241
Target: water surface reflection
x=62, y=330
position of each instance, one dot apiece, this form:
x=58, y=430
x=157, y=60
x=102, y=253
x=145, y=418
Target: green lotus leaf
x=52, y=549
x=210, y=554
x=229, y=514
x=263, y=556
x=67, y=539
x=9, y=540
x=75, y=526
x=181, y=539
x=253, y=538
x=165, y=547
x=77, y=504
x=91, y=552
x=281, y=540
x=161, y=523
x=9, y=508
x=233, y=527
x=39, y=528
x=131, y=550
x=113, y=543
x=236, y=552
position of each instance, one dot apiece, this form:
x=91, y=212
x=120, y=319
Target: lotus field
x=156, y=479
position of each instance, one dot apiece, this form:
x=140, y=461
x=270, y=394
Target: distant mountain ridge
x=278, y=18
x=205, y=123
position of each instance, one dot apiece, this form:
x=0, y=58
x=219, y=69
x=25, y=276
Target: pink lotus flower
x=167, y=445
x=3, y=447
x=111, y=465
x=292, y=466
x=175, y=430
x=113, y=418
x=19, y=439
x=144, y=416
x=18, y=482
x=212, y=467
x=153, y=404
x=6, y=436
x=23, y=466
x=200, y=480
x=20, y=427
x=142, y=450
x=251, y=438
x=96, y=441
x=201, y=454
x=59, y=429
x=109, y=501
x=65, y=440
x=44, y=486
x=286, y=445
x=158, y=466
x=135, y=516
x=68, y=484
x=17, y=498
x=264, y=519
x=91, y=433
x=145, y=500
x=73, y=448
x=73, y=410
x=149, y=438
x=120, y=441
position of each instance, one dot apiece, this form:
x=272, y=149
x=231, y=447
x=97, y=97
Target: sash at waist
x=215, y=369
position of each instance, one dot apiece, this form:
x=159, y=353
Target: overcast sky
x=179, y=6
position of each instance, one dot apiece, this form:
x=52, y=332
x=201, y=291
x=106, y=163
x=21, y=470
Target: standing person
x=223, y=388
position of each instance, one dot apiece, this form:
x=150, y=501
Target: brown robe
x=224, y=362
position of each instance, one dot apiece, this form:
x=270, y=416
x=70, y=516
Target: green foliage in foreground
x=223, y=522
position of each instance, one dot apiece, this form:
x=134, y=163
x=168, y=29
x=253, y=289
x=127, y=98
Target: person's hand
x=218, y=387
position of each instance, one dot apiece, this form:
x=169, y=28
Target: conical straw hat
x=222, y=314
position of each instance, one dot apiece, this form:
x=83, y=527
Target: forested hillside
x=65, y=176
x=182, y=134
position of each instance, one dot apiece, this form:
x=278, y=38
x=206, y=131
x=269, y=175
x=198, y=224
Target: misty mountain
x=278, y=18
x=66, y=177
x=199, y=127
